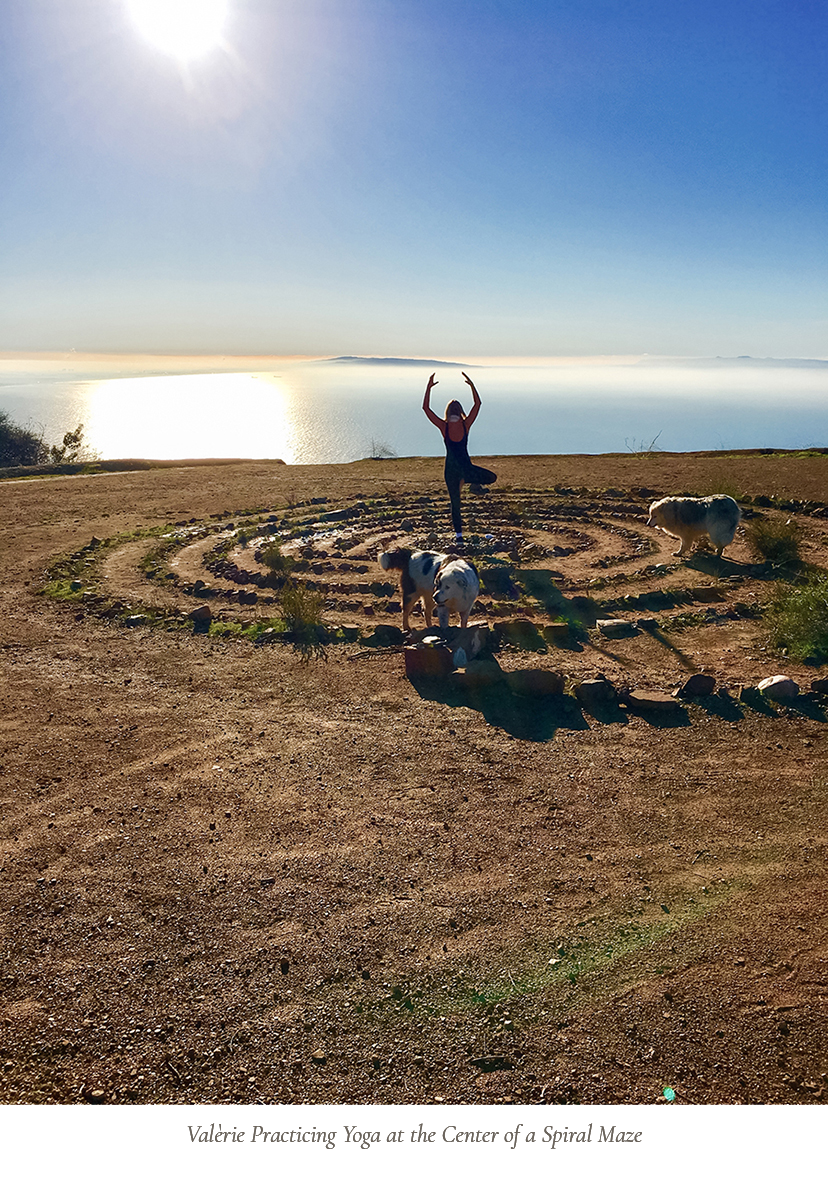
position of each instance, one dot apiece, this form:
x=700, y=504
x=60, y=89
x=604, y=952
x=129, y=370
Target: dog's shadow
x=525, y=717
x=707, y=562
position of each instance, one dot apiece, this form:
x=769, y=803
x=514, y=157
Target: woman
x=459, y=469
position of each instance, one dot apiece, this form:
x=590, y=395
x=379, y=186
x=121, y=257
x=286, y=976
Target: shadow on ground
x=526, y=718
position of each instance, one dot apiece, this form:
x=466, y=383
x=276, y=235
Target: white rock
x=779, y=686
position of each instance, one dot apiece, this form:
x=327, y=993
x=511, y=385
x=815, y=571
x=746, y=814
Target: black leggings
x=456, y=475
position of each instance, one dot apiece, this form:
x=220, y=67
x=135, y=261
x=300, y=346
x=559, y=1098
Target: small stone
x=778, y=686
x=615, y=627
x=595, y=690
x=820, y=686
x=201, y=614
x=76, y=585
x=135, y=619
x=697, y=685
x=481, y=672
x=535, y=681
x=706, y=594
x=650, y=701
x=556, y=631
x=319, y=1057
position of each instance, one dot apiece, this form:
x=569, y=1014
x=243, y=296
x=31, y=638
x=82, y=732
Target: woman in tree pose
x=459, y=469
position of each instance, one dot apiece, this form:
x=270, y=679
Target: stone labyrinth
x=565, y=572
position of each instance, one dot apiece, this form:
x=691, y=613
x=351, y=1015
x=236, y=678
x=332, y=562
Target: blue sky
x=418, y=178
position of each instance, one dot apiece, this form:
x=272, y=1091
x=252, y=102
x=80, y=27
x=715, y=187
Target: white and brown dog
x=715, y=518
x=436, y=579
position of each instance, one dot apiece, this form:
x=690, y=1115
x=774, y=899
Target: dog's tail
x=397, y=558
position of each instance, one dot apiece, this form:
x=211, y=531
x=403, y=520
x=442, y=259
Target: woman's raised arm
x=427, y=409
x=472, y=417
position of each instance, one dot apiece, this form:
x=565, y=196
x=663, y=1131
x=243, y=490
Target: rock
x=820, y=686
x=520, y=631
x=385, y=635
x=705, y=594
x=697, y=685
x=406, y=525
x=428, y=661
x=595, y=690
x=471, y=640
x=650, y=701
x=76, y=585
x=135, y=619
x=482, y=672
x=778, y=686
x=535, y=681
x=319, y=1057
x=201, y=614
x=556, y=631
x=613, y=627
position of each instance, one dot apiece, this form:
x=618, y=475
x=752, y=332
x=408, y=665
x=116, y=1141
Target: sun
x=182, y=28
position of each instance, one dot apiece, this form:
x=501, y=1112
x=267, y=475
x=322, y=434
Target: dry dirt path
x=228, y=876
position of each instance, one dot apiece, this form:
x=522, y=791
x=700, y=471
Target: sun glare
x=183, y=28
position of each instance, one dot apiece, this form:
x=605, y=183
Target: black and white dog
x=436, y=579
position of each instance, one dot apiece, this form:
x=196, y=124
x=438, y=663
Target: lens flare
x=183, y=28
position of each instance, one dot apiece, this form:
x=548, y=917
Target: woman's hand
x=468, y=381
x=432, y=416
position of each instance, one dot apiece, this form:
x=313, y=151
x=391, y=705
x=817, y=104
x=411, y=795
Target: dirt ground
x=228, y=875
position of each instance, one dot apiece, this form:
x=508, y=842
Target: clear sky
x=418, y=177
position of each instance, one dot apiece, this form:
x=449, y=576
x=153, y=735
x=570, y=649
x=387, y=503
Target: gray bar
x=414, y=1136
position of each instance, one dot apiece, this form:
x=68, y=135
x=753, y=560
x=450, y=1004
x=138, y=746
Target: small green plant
x=301, y=610
x=774, y=541
x=798, y=617
x=278, y=564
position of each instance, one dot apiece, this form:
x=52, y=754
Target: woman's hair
x=454, y=408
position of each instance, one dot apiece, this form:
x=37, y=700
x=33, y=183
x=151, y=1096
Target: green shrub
x=798, y=617
x=20, y=447
x=301, y=610
x=278, y=564
x=774, y=541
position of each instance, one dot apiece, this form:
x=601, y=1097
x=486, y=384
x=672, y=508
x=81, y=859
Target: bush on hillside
x=301, y=611
x=19, y=446
x=798, y=617
x=774, y=541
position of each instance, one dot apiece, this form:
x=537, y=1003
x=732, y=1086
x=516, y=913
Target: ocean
x=345, y=408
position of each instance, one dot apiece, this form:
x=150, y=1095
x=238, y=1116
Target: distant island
x=731, y=362
x=404, y=363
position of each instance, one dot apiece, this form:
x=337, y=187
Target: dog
x=715, y=518
x=423, y=574
x=417, y=572
x=456, y=588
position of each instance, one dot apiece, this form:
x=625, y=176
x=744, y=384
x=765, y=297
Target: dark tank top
x=457, y=450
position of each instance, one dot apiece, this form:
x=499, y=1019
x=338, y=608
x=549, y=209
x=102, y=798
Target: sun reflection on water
x=220, y=415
